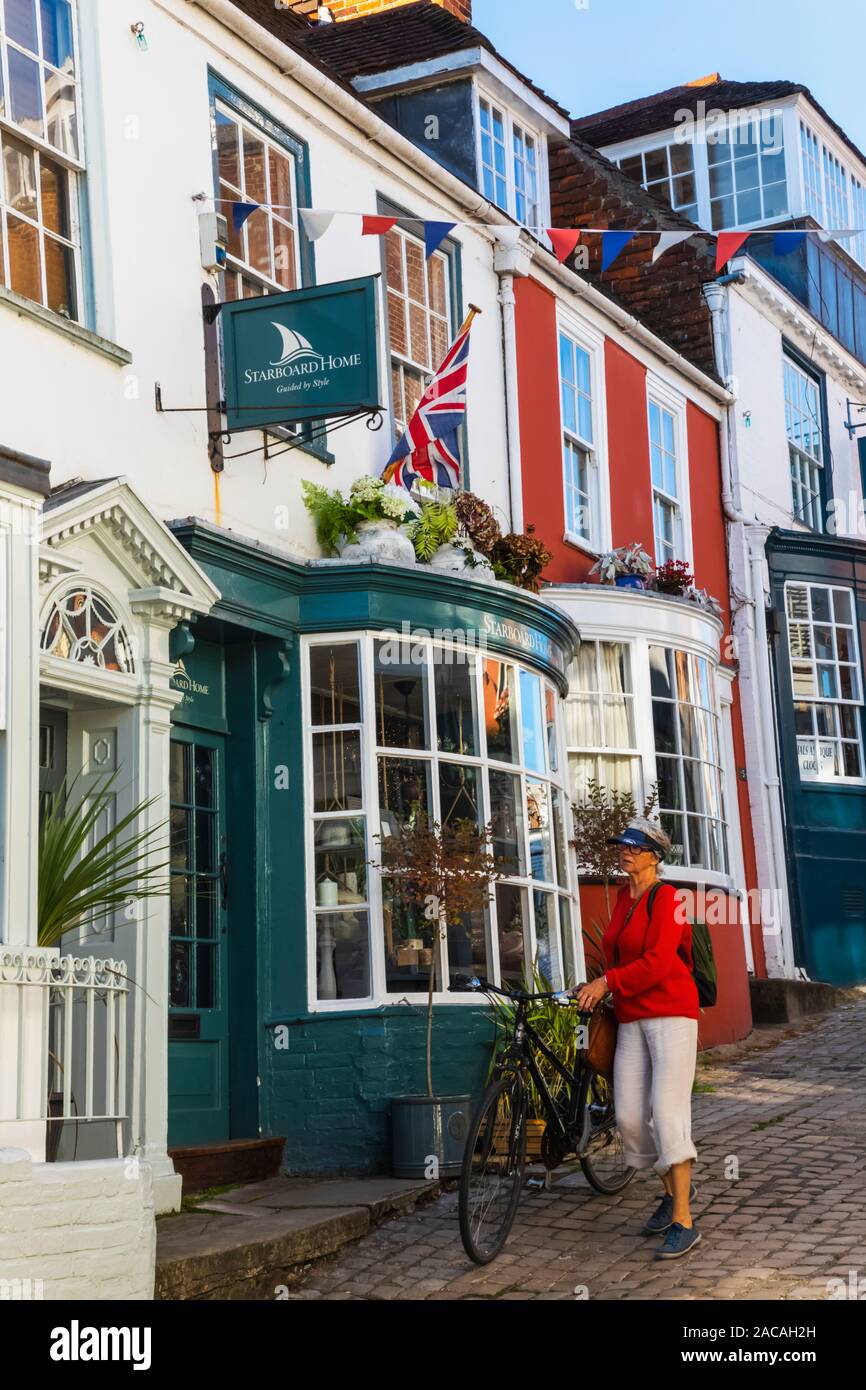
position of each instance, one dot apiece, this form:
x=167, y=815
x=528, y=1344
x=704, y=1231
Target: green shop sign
x=303, y=355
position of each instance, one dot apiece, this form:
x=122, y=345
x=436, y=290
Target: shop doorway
x=198, y=1016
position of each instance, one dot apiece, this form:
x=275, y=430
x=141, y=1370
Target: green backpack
x=704, y=972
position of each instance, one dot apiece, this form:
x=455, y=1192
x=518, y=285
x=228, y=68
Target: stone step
x=253, y=1242
x=227, y=1162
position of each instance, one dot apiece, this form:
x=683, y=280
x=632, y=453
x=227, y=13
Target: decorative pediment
x=155, y=573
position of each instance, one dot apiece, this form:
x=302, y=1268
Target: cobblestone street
x=790, y=1119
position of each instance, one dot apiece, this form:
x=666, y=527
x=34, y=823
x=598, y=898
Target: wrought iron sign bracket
x=850, y=425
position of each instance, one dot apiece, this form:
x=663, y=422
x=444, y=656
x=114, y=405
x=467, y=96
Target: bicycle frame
x=520, y=1052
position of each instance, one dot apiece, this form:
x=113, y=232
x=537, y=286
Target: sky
x=590, y=54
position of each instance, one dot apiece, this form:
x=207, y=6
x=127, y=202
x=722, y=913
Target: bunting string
x=564, y=240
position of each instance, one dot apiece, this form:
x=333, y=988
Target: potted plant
x=673, y=577
x=628, y=566
x=443, y=872
x=370, y=524
x=517, y=558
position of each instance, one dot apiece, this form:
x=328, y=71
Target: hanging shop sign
x=308, y=354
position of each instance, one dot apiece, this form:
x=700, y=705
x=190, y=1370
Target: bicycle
x=580, y=1121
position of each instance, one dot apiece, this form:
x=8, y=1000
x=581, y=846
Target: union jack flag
x=429, y=447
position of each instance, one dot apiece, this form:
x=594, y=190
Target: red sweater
x=650, y=979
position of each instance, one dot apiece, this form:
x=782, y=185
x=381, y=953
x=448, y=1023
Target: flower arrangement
x=673, y=577
x=624, y=560
x=435, y=527
x=337, y=519
x=518, y=558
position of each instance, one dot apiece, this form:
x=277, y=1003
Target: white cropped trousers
x=654, y=1068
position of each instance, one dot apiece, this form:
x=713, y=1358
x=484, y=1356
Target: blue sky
x=590, y=54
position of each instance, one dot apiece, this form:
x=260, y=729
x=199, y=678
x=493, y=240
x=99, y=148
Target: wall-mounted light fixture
x=139, y=35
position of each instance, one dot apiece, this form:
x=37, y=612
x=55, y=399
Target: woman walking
x=655, y=1000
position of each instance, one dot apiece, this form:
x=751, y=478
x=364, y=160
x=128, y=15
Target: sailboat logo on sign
x=294, y=345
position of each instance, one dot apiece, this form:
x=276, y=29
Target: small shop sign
x=308, y=354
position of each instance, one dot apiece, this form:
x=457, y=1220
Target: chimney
x=358, y=9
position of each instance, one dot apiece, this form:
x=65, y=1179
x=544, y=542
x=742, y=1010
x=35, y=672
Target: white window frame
x=659, y=393
x=807, y=462
x=734, y=124
x=267, y=283
x=654, y=185
x=511, y=120
x=604, y=749
x=835, y=702
x=405, y=360
x=646, y=773
x=592, y=343
x=73, y=165
x=835, y=187
x=371, y=752
x=812, y=171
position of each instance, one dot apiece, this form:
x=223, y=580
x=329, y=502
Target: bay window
x=826, y=682
x=40, y=154
x=810, y=152
x=641, y=716
x=402, y=730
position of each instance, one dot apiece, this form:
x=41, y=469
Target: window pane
x=340, y=858
x=569, y=962
x=342, y=956
x=337, y=771
x=538, y=817
x=335, y=692
x=411, y=941
x=227, y=152
x=506, y=814
x=467, y=946
x=25, y=271
x=455, y=690
x=25, y=92
x=401, y=700
x=499, y=704
x=285, y=261
x=544, y=906
x=21, y=22
x=57, y=33
x=60, y=114
x=550, y=724
x=282, y=191
x=511, y=922
x=60, y=277
x=55, y=197
x=19, y=168
x=254, y=169
x=533, y=731
x=559, y=839
x=459, y=794
x=404, y=793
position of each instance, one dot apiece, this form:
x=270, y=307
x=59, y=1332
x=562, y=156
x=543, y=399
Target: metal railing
x=78, y=1026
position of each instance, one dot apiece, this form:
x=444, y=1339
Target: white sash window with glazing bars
x=826, y=682
x=41, y=155
x=419, y=320
x=803, y=422
x=263, y=254
x=664, y=466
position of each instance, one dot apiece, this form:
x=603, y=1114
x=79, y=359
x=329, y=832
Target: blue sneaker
x=662, y=1218
x=678, y=1241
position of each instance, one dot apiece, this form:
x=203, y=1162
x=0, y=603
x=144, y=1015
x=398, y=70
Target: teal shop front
x=350, y=697
x=818, y=586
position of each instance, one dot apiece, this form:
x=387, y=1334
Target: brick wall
x=354, y=9
x=330, y=1090
x=588, y=191
x=75, y=1230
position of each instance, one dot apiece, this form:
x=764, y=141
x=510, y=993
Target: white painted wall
x=75, y=1230
x=148, y=148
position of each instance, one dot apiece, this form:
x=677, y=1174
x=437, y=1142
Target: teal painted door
x=198, y=1026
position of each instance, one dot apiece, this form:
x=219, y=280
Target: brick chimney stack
x=357, y=9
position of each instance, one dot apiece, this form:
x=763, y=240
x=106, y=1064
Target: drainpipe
x=511, y=257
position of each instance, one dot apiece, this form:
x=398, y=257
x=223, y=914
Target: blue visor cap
x=636, y=839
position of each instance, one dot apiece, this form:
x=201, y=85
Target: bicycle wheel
x=603, y=1156
x=492, y=1173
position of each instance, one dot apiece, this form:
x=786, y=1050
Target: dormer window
x=669, y=172
x=747, y=173
x=510, y=156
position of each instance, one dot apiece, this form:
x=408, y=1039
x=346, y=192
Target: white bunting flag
x=839, y=233
x=316, y=223
x=667, y=240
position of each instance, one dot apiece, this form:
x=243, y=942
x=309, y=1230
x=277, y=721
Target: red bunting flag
x=727, y=246
x=377, y=226
x=563, y=241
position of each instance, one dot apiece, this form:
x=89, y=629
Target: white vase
x=462, y=560
x=383, y=540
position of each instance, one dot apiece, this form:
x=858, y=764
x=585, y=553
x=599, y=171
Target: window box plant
x=673, y=577
x=628, y=566
x=370, y=524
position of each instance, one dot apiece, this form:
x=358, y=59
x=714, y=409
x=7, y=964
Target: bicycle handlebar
x=478, y=983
